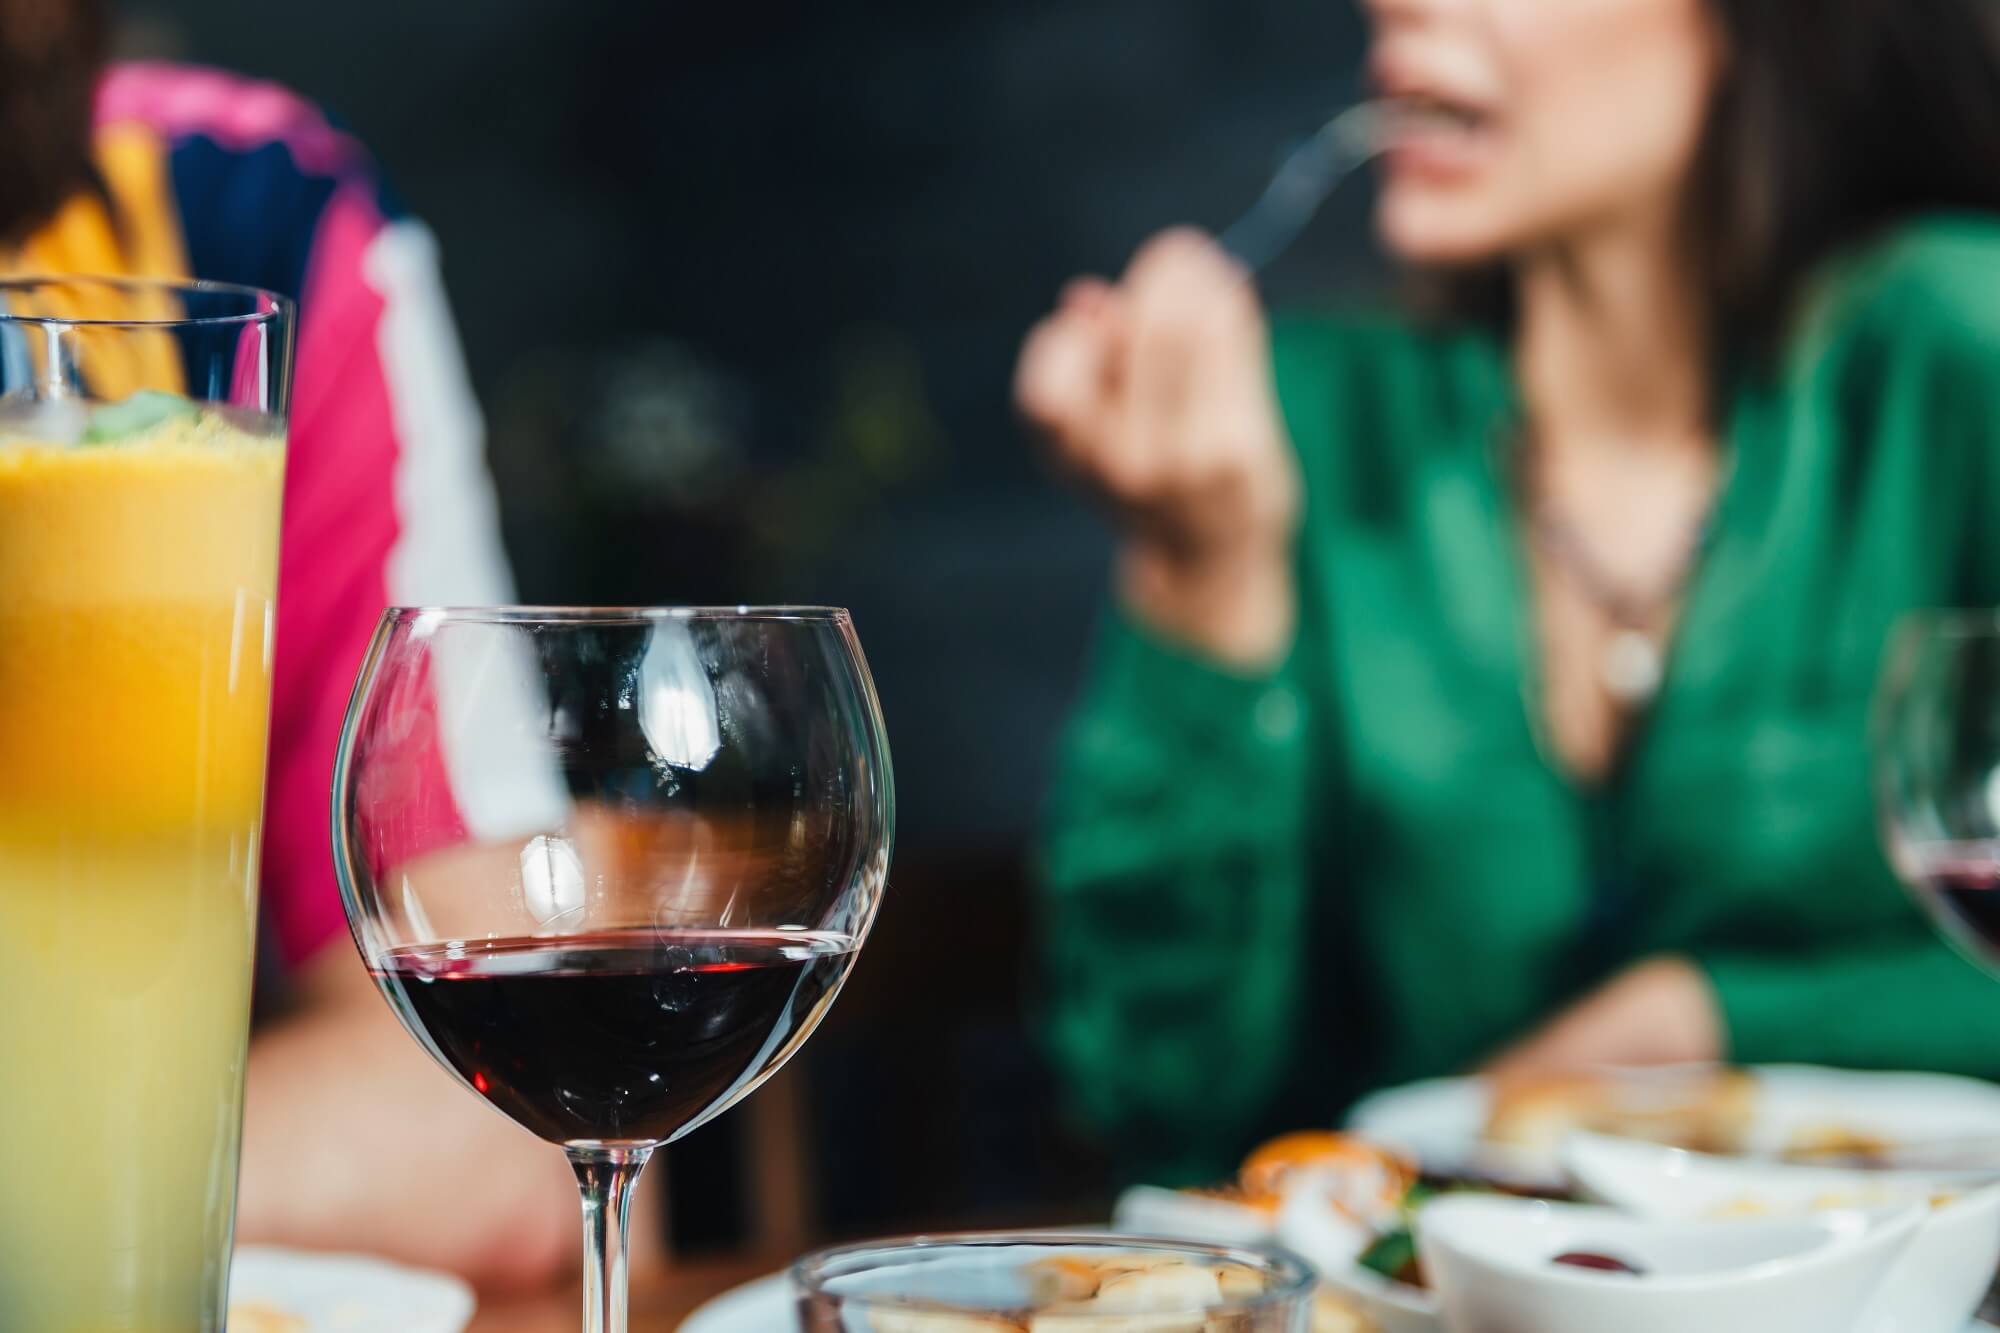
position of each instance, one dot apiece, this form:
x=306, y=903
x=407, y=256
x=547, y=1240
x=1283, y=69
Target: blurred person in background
x=353, y=1140
x=1486, y=688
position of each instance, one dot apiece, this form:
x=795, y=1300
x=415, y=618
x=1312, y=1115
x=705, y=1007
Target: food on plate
x=927, y=1321
x=1368, y=1179
x=1369, y=1193
x=1135, y=1285
x=1334, y=1313
x=1128, y=1281
x=1363, y=1179
x=263, y=1319
x=1857, y=1151
x=1751, y=1205
x=1360, y=1196
x=1707, y=1110
x=1838, y=1145
x=1393, y=1254
x=1136, y=1293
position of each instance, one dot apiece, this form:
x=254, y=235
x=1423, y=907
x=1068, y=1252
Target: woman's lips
x=1437, y=141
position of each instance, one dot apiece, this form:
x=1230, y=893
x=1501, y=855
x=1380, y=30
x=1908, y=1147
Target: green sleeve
x=1910, y=1004
x=1913, y=322
x=1174, y=886
x=1911, y=325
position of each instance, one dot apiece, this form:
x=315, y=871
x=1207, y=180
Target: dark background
x=740, y=287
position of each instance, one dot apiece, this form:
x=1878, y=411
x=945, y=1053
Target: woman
x=352, y=1138
x=1491, y=692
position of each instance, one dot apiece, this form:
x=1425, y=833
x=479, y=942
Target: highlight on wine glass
x=610, y=867
x=1937, y=771
x=1051, y=1282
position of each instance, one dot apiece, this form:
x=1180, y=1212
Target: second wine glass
x=610, y=867
x=1937, y=771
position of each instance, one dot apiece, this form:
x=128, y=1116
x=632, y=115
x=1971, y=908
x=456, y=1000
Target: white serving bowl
x=1489, y=1260
x=1934, y=1287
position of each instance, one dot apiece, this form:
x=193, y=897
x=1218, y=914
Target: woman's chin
x=1435, y=234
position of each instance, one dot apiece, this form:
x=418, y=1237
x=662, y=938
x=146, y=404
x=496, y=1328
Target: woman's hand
x=1660, y=1012
x=1157, y=392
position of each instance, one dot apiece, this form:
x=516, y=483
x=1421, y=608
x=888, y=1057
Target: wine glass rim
x=265, y=306
x=615, y=615
x=1291, y=1279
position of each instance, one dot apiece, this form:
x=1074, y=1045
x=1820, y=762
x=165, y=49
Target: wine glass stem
x=605, y=1176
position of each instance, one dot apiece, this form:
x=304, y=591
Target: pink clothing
x=386, y=496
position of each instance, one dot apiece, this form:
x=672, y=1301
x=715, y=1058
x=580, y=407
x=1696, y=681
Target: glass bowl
x=1050, y=1282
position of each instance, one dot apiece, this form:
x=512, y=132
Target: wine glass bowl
x=611, y=867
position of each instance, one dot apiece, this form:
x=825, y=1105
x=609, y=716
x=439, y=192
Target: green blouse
x=1264, y=896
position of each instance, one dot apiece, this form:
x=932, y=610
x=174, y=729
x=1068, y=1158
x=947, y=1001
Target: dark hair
x=1832, y=120
x=51, y=52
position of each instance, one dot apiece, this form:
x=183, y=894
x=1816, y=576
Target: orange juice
x=136, y=595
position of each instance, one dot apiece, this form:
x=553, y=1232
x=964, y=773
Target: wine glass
x=1937, y=771
x=610, y=867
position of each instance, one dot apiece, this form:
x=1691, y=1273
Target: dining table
x=661, y=1298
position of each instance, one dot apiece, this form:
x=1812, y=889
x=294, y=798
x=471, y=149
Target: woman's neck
x=1611, y=348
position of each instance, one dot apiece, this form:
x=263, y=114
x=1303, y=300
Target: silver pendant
x=1631, y=668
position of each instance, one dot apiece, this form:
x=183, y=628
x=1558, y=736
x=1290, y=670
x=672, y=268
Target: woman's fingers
x=1086, y=295
x=1061, y=381
x=1166, y=290
x=1232, y=414
x=1157, y=391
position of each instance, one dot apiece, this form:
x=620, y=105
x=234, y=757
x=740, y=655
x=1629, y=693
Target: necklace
x=1632, y=663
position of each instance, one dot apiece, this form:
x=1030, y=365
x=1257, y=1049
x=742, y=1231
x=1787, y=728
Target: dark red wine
x=1597, y=1263
x=619, y=1037
x=1961, y=886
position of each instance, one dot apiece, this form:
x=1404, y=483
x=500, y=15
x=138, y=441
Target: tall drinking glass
x=142, y=444
x=611, y=867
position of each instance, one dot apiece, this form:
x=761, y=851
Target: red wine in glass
x=611, y=865
x=1959, y=884
x=624, y=1036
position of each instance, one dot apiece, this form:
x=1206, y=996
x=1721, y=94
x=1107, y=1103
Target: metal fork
x=1308, y=175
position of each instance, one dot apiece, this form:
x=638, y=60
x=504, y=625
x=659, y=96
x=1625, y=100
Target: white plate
x=765, y=1306
x=1442, y=1120
x=351, y=1293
